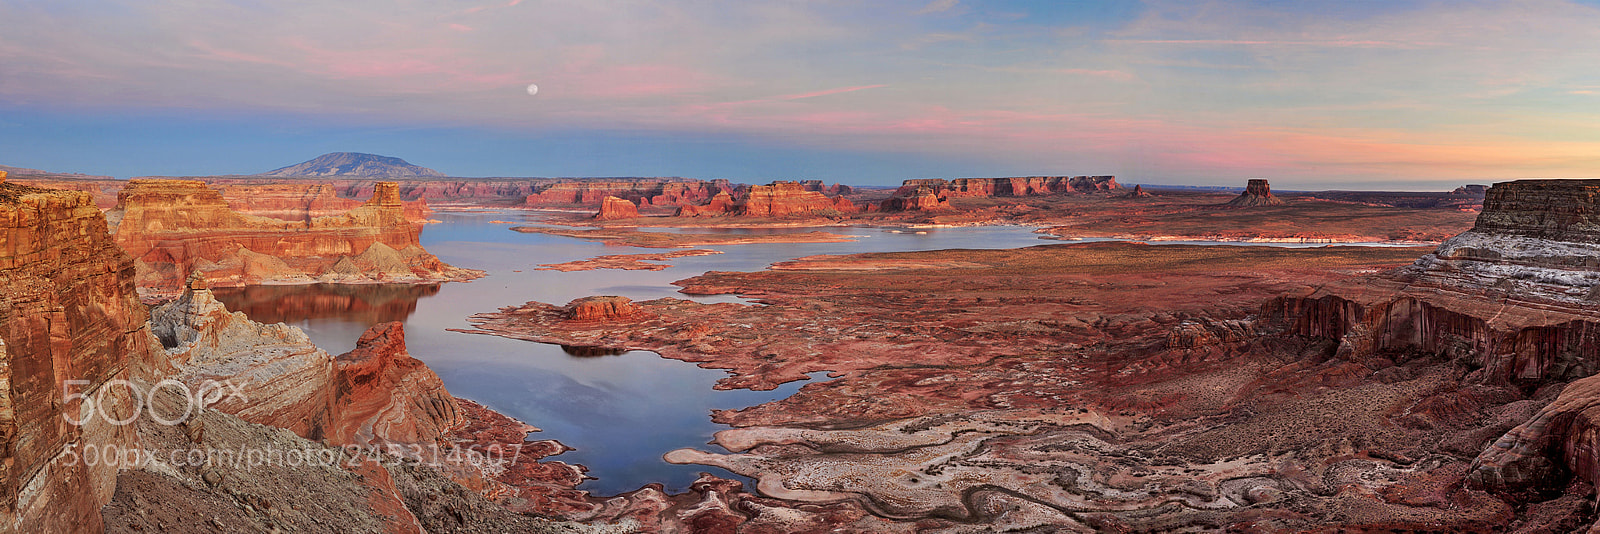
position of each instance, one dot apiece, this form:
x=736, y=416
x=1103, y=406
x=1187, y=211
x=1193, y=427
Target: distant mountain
x=354, y=164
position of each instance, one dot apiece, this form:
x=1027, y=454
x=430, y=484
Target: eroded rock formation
x=1256, y=193
x=643, y=192
x=602, y=309
x=919, y=199
x=775, y=200
x=1012, y=187
x=1511, y=300
x=175, y=228
x=383, y=395
x=615, y=208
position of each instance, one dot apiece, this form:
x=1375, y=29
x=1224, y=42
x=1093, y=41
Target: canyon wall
x=1512, y=299
x=175, y=228
x=70, y=324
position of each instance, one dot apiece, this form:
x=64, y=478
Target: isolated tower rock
x=1256, y=193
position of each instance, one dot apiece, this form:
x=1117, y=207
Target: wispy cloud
x=937, y=6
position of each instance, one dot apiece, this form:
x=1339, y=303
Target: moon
x=533, y=89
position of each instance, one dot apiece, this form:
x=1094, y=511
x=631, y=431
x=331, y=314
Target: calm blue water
x=622, y=412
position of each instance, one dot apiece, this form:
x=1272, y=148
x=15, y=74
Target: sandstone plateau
x=176, y=228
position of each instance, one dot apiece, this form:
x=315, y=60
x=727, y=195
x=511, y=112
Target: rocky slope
x=175, y=228
x=1256, y=193
x=353, y=164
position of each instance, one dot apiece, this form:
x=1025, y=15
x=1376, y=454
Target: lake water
x=622, y=412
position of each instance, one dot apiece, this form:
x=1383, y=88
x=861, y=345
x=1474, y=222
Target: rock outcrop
x=382, y=395
x=602, y=308
x=71, y=329
x=1512, y=299
x=1256, y=193
x=1024, y=186
x=1138, y=192
x=774, y=200
x=788, y=199
x=919, y=199
x=268, y=374
x=720, y=204
x=174, y=228
x=643, y=192
x=376, y=394
x=615, y=208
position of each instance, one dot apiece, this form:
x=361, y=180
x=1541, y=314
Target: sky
x=1349, y=94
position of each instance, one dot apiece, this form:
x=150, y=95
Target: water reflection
x=367, y=303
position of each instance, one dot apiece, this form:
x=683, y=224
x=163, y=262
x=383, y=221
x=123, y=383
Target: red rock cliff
x=1512, y=300
x=383, y=395
x=1011, y=187
x=778, y=199
x=70, y=314
x=174, y=228
x=616, y=208
x=656, y=192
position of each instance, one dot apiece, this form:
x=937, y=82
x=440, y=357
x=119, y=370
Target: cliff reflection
x=364, y=303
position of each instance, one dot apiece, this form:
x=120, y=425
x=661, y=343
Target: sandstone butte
x=615, y=208
x=781, y=199
x=72, y=317
x=642, y=192
x=1126, y=387
x=920, y=194
x=1257, y=192
x=175, y=228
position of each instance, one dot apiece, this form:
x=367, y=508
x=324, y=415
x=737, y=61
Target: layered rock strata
x=775, y=200
x=1512, y=300
x=1257, y=192
x=1012, y=187
x=71, y=330
x=175, y=228
x=920, y=199
x=642, y=192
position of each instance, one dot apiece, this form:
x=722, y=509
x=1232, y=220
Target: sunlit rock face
x=175, y=228
x=70, y=324
x=642, y=192
x=775, y=200
x=616, y=208
x=1257, y=192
